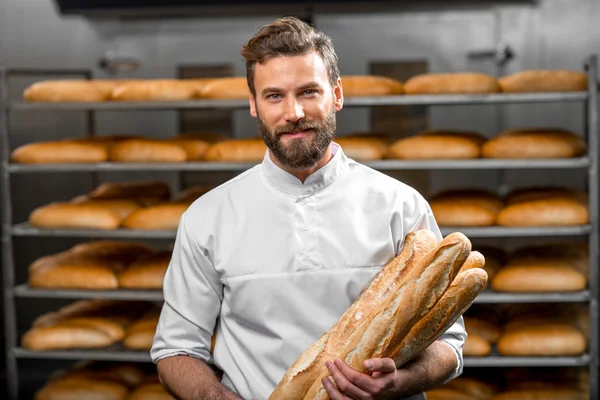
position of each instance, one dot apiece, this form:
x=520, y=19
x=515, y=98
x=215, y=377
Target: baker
x=271, y=259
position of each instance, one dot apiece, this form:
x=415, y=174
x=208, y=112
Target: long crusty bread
x=414, y=291
x=302, y=374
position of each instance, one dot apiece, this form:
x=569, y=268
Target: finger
x=350, y=381
x=332, y=392
x=385, y=365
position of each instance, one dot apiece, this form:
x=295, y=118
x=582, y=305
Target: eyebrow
x=308, y=85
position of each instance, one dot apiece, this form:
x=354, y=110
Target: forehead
x=290, y=71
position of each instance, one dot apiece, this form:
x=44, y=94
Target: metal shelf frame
x=486, y=297
x=382, y=165
x=11, y=229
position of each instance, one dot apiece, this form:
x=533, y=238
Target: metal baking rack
x=11, y=229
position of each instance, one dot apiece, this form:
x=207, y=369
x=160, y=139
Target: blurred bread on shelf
x=237, y=150
x=438, y=144
x=534, y=143
x=154, y=90
x=542, y=80
x=370, y=85
x=71, y=90
x=140, y=334
x=451, y=83
x=463, y=207
x=228, y=88
x=60, y=152
x=364, y=146
x=147, y=272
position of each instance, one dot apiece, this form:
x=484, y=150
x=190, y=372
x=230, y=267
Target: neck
x=305, y=173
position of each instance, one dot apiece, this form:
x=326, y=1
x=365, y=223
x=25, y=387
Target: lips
x=296, y=134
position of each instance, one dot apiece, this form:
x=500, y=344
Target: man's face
x=295, y=106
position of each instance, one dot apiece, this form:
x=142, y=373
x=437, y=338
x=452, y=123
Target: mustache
x=296, y=127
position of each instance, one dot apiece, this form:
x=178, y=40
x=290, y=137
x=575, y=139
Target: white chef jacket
x=278, y=261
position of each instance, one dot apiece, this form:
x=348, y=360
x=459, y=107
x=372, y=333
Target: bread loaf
x=476, y=346
x=370, y=85
x=543, y=275
x=134, y=190
x=128, y=374
x=83, y=389
x=160, y=217
x=544, y=81
x=448, y=394
x=465, y=207
x=191, y=194
x=86, y=215
x=237, y=150
x=141, y=333
x=148, y=272
x=451, y=83
x=57, y=91
x=147, y=151
x=364, y=147
x=123, y=250
x=438, y=144
x=390, y=318
x=226, y=88
x=84, y=324
x=482, y=328
x=470, y=386
x=150, y=391
x=534, y=143
x=59, y=152
x=154, y=90
x=544, y=208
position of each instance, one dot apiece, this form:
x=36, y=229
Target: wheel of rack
x=587, y=163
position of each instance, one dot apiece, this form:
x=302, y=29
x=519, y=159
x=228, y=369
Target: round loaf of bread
x=544, y=81
x=60, y=152
x=150, y=391
x=476, y=346
x=147, y=151
x=146, y=272
x=540, y=276
x=543, y=339
x=465, y=208
x=438, y=145
x=442, y=393
x=154, y=90
x=87, y=215
x=551, y=394
x=534, y=143
x=71, y=388
x=59, y=91
x=370, y=85
x=160, y=217
x=363, y=147
x=451, y=83
x=237, y=150
x=545, y=208
x=226, y=88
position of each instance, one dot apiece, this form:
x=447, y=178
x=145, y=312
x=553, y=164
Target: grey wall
x=548, y=34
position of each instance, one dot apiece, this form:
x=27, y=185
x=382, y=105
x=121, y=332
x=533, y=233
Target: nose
x=293, y=110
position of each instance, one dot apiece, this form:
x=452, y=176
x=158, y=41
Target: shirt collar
x=288, y=183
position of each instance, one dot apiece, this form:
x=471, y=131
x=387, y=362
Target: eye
x=309, y=92
x=273, y=96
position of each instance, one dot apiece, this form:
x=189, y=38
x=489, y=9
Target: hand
x=380, y=383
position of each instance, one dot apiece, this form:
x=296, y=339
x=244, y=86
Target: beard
x=301, y=153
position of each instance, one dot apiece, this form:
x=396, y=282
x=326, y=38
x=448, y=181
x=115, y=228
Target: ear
x=253, y=106
x=338, y=95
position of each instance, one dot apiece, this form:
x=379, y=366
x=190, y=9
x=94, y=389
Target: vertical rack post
x=593, y=151
x=8, y=267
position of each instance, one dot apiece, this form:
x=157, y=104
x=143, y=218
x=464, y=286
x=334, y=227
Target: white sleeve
x=192, y=301
x=456, y=335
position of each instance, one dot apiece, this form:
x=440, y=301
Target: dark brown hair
x=288, y=37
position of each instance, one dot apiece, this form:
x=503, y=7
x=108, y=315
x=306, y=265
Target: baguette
x=145, y=273
x=103, y=215
x=237, y=150
x=465, y=208
x=542, y=339
x=60, y=152
x=302, y=374
x=57, y=91
x=82, y=389
x=370, y=85
x=150, y=391
x=544, y=81
x=534, y=143
x=451, y=83
x=476, y=346
x=154, y=90
x=390, y=317
x=147, y=151
x=438, y=145
x=363, y=147
x=164, y=216
x=226, y=88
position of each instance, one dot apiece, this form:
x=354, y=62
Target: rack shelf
x=117, y=354
x=487, y=297
x=25, y=229
x=382, y=165
x=492, y=98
